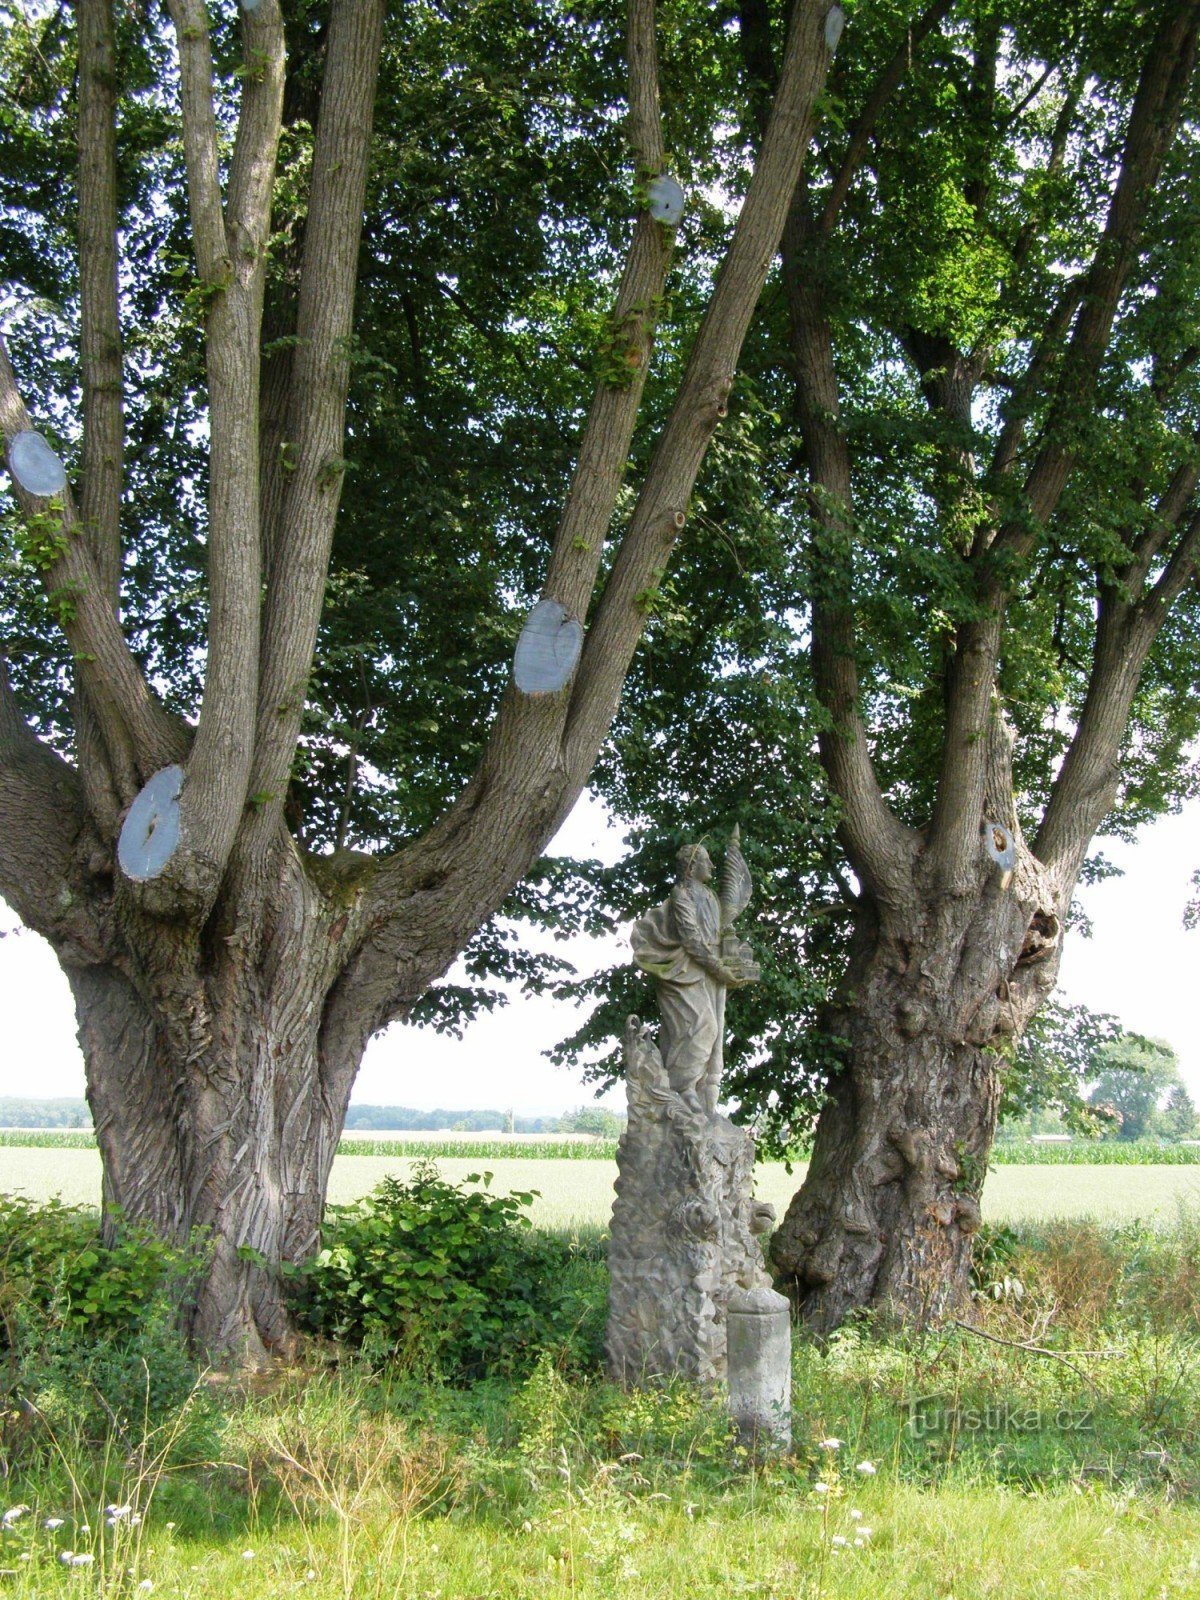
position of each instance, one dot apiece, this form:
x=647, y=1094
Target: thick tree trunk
x=937, y=993
x=218, y=1101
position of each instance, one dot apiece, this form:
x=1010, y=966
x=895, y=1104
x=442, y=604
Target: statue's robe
x=676, y=944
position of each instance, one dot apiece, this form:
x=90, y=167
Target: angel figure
x=688, y=947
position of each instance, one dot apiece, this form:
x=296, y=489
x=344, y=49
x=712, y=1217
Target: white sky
x=1139, y=965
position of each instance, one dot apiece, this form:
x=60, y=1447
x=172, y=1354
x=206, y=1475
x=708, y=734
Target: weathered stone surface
x=683, y=1230
x=760, y=1368
x=685, y=1224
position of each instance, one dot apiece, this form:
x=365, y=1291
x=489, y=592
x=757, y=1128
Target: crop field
x=579, y=1193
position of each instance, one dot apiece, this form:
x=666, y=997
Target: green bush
x=55, y=1271
x=432, y=1272
x=90, y=1331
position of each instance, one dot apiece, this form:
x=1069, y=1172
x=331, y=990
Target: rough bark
x=217, y=1104
x=938, y=988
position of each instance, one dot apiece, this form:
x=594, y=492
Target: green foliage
x=56, y=1272
x=90, y=1332
x=1055, y=1058
x=598, y=1121
x=427, y=1271
x=1132, y=1076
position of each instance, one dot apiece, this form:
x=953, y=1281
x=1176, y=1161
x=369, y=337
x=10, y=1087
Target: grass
x=765, y=1538
x=999, y=1471
x=579, y=1193
x=1049, y=1450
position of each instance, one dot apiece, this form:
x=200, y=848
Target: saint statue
x=688, y=947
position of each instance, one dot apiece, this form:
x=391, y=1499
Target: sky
x=1139, y=965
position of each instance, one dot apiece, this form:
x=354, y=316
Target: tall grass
x=1060, y=1456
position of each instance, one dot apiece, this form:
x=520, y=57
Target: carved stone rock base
x=684, y=1229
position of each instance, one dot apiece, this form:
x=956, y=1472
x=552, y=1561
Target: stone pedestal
x=684, y=1229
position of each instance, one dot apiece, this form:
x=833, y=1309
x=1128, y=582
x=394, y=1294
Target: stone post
x=759, y=1349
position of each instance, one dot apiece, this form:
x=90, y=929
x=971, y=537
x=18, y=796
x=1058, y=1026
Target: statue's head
x=695, y=862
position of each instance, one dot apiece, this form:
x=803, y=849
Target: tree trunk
x=938, y=991
x=218, y=1101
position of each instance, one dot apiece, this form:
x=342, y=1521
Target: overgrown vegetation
x=452, y=1280
x=1064, y=1422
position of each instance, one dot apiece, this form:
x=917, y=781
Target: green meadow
x=578, y=1193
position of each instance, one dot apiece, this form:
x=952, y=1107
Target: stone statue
x=685, y=1224
x=687, y=946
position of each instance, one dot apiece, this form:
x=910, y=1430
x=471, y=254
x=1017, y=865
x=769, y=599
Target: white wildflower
x=247, y=1555
x=858, y=1543
x=838, y=1542
x=820, y=1488
x=51, y=1523
x=866, y=1468
x=147, y=1584
x=65, y=1557
x=831, y=1444
x=864, y=1533
x=83, y=1559
x=13, y=1514
x=856, y=1516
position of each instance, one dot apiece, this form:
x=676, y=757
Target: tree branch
x=1165, y=77
x=200, y=141
x=885, y=86
x=138, y=734
x=1164, y=521
x=100, y=343
x=871, y=835
x=1162, y=87
x=320, y=375
x=1087, y=784
x=252, y=170
x=231, y=263
x=661, y=510
x=542, y=747
x=1176, y=575
x=608, y=433
x=42, y=817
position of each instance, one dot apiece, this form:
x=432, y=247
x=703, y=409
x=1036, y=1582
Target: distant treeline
x=21, y=1113
x=18, y=1113
x=403, y=1119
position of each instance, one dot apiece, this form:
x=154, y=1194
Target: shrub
x=431, y=1272
x=90, y=1330
x=55, y=1270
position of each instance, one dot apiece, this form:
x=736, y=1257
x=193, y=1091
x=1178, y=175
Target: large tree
x=227, y=977
x=965, y=571
x=1032, y=264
